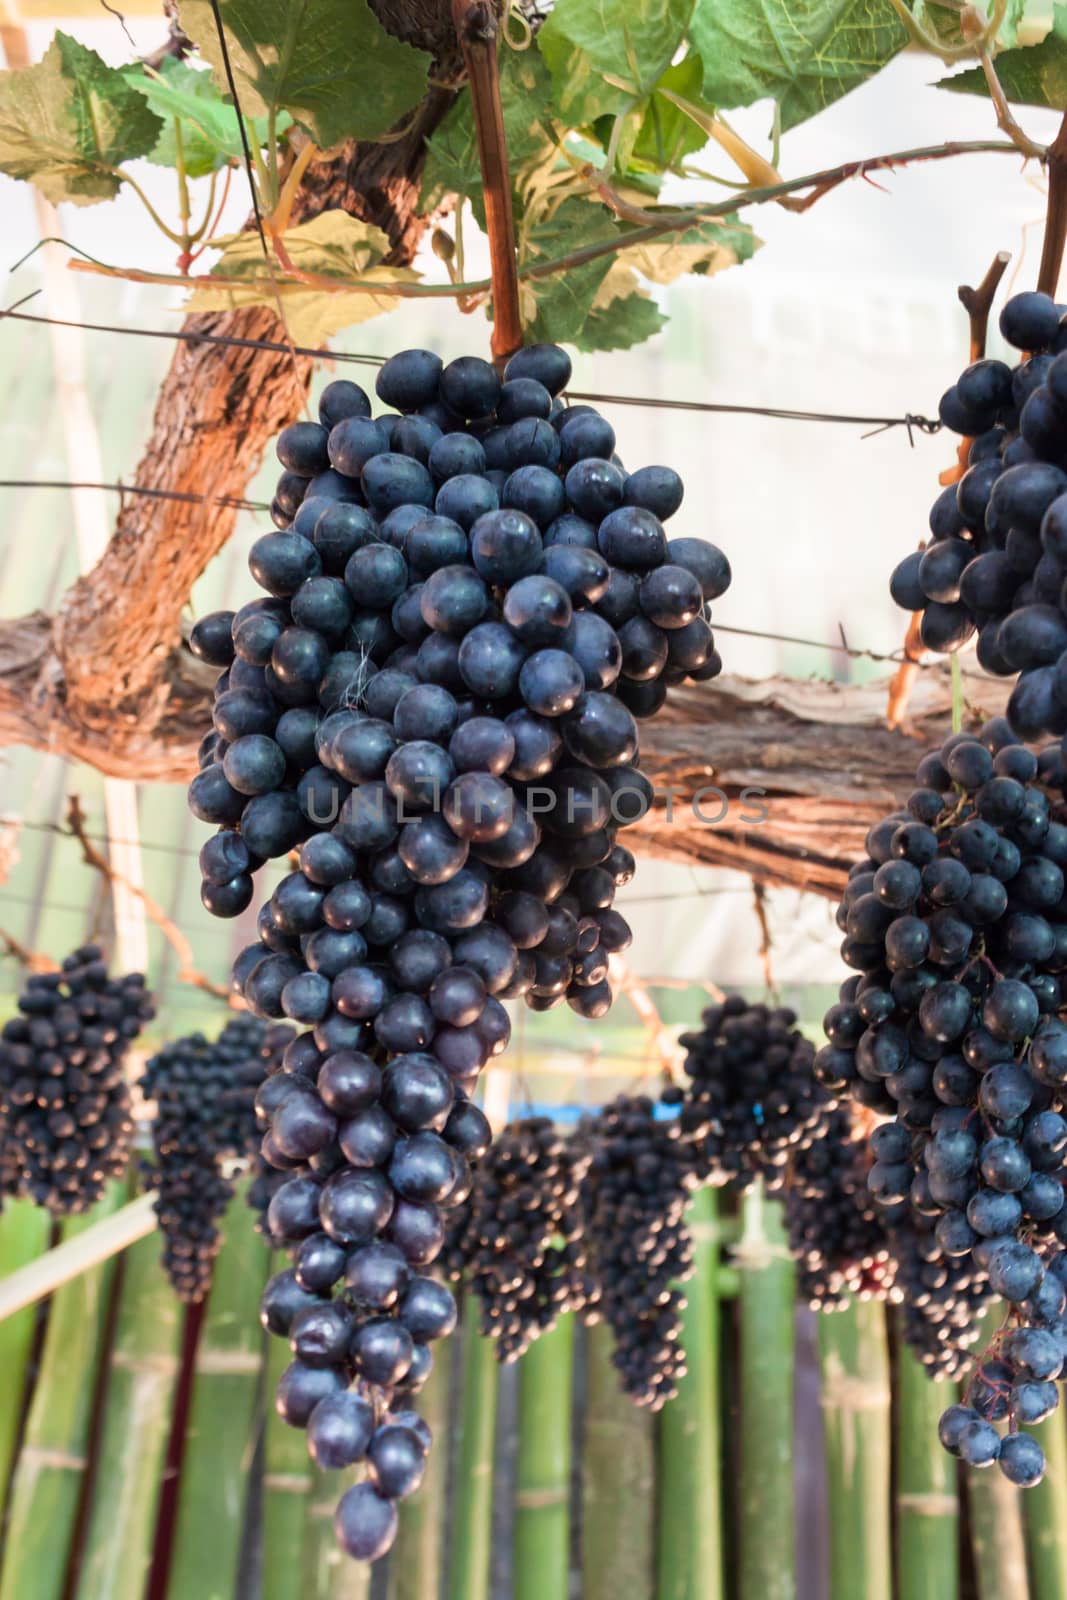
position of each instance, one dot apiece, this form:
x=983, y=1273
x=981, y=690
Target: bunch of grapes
x=469, y=602
x=942, y=1297
x=634, y=1196
x=751, y=1099
x=204, y=1092
x=64, y=1101
x=956, y=925
x=1014, y=1383
x=997, y=559
x=837, y=1237
x=518, y=1240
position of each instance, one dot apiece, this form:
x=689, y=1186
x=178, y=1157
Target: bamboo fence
x=103, y=1499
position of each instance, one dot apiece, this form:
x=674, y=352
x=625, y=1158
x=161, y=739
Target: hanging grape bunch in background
x=996, y=562
x=518, y=1240
x=470, y=603
x=204, y=1093
x=66, y=1116
x=751, y=1098
x=955, y=926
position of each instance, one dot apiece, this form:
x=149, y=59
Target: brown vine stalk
x=1048, y=275
x=476, y=25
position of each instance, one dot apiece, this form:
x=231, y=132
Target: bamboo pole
x=1045, y=1512
x=472, y=1509
x=996, y=1520
x=142, y=1379
x=767, y=1558
x=84, y=1247
x=689, y=1555
x=995, y=1513
x=220, y=1439
x=415, y=1568
x=23, y=1235
x=327, y=1573
x=542, y=1496
x=50, y=1471
x=617, y=1484
x=286, y=1490
x=927, y=1499
x=855, y=1400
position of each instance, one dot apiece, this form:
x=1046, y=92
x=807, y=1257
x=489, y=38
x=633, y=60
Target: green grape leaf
x=333, y=245
x=329, y=63
x=622, y=315
x=554, y=309
x=803, y=53
x=606, y=54
x=452, y=153
x=667, y=135
x=211, y=135
x=67, y=122
x=1034, y=75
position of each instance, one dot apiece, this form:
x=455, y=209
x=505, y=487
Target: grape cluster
x=634, y=1197
x=204, y=1092
x=836, y=1235
x=957, y=924
x=469, y=602
x=942, y=1297
x=518, y=1240
x=1015, y=1382
x=751, y=1099
x=64, y=1100
x=997, y=559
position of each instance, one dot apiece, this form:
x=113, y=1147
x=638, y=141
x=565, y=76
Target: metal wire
x=912, y=421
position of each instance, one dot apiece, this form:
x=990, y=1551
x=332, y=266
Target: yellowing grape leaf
x=333, y=245
x=707, y=248
x=68, y=121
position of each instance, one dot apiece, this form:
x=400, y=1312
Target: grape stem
x=818, y=183
x=979, y=302
x=77, y=824
x=476, y=26
x=957, y=692
x=32, y=960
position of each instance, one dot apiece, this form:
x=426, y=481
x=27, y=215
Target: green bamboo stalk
x=286, y=1490
x=50, y=1471
x=135, y=1431
x=220, y=1437
x=1045, y=1513
x=327, y=1573
x=618, y=1473
x=855, y=1400
x=472, y=1509
x=415, y=1568
x=541, y=1564
x=996, y=1511
x=927, y=1494
x=688, y=1481
x=23, y=1236
x=996, y=1519
x=767, y=1556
